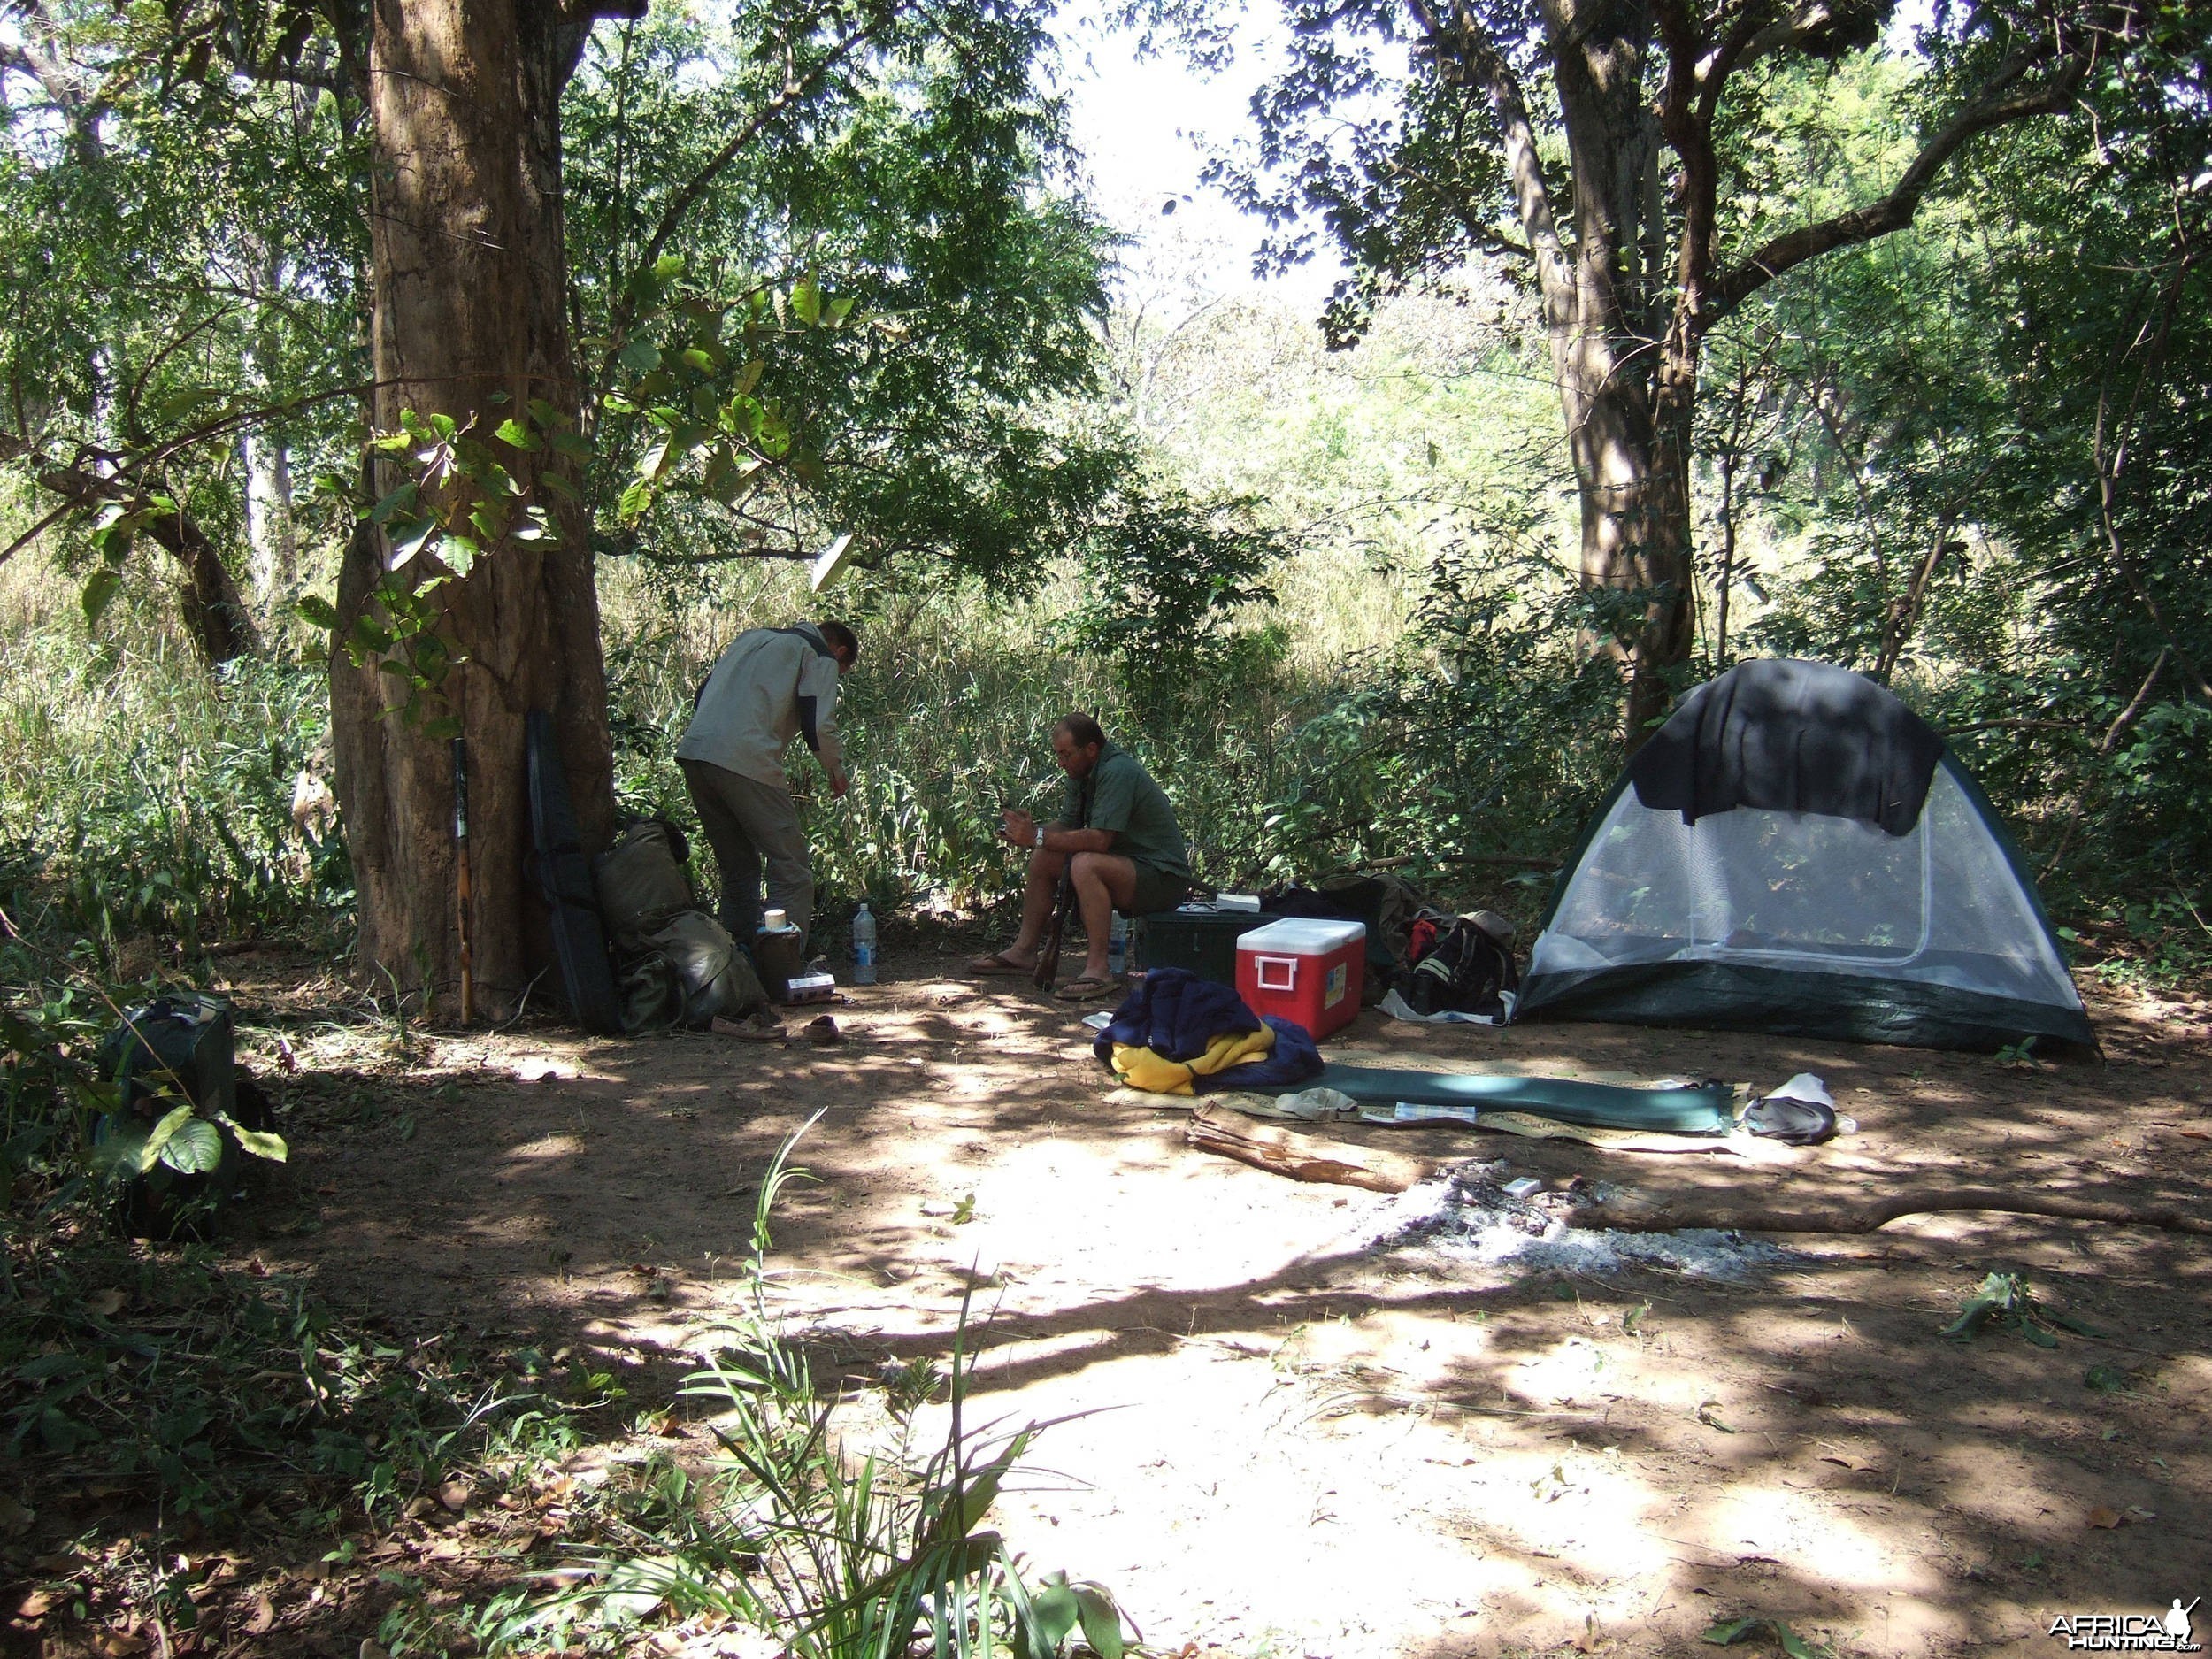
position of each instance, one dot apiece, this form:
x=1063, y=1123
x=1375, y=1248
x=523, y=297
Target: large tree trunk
x=1626, y=404
x=470, y=291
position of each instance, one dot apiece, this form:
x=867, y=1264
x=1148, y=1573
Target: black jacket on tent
x=1795, y=851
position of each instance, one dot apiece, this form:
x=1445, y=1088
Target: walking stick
x=1062, y=903
x=461, y=863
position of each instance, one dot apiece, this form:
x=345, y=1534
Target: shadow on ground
x=1298, y=1443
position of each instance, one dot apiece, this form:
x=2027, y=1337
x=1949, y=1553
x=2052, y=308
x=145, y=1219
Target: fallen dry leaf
x=264, y=1617
x=454, y=1495
x=37, y=1604
x=15, y=1517
x=2102, y=1516
x=417, y=1508
x=104, y=1304
x=122, y=1644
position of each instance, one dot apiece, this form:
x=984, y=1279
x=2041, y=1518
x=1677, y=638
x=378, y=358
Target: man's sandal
x=998, y=963
x=1087, y=989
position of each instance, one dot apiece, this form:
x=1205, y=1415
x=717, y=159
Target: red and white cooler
x=1308, y=972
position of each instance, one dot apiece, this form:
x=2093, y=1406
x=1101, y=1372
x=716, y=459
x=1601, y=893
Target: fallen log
x=1222, y=1129
x=1867, y=1215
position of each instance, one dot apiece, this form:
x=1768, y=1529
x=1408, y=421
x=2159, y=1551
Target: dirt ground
x=1296, y=1446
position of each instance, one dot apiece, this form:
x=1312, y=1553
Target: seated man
x=1117, y=840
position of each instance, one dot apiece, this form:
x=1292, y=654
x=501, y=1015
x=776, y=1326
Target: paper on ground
x=1398, y=1007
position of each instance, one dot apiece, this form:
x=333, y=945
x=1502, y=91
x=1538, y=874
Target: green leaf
x=404, y=496
x=1793, y=1644
x=196, y=1149
x=1101, y=1620
x=511, y=431
x=369, y=637
x=1729, y=1632
x=573, y=443
x=444, y=727
x=260, y=1142
x=409, y=539
x=121, y=1151
x=318, y=610
x=99, y=592
x=458, y=552
x=163, y=1132
x=638, y=357
x=699, y=360
x=668, y=267
x=1053, y=1610
x=546, y=415
x=806, y=301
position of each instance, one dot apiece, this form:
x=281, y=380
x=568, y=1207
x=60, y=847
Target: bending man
x=770, y=686
x=1117, y=840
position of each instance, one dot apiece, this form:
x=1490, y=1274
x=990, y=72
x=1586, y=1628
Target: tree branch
x=1470, y=45
x=1843, y=1216
x=788, y=96
x=1998, y=106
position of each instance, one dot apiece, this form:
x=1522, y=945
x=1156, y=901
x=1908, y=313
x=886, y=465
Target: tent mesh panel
x=1784, y=894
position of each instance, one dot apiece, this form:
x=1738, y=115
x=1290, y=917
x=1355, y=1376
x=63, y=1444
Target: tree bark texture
x=1606, y=305
x=470, y=288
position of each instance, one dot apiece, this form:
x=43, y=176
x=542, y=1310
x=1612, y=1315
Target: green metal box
x=1204, y=940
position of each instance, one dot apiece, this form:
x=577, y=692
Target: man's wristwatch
x=1041, y=836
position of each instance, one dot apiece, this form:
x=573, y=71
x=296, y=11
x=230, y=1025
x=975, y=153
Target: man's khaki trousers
x=750, y=824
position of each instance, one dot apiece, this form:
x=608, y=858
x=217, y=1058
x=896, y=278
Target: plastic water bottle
x=1118, y=946
x=863, y=945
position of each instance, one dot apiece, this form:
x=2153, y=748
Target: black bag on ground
x=1465, y=970
x=564, y=876
x=182, y=1045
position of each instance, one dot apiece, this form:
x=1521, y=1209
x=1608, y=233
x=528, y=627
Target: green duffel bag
x=641, y=882
x=687, y=972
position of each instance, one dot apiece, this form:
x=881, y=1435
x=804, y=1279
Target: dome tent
x=1795, y=851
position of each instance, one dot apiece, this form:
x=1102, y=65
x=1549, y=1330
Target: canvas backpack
x=687, y=972
x=676, y=964
x=641, y=882
x=1459, y=966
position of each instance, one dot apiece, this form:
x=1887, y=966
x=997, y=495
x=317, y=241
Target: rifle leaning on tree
x=1063, y=901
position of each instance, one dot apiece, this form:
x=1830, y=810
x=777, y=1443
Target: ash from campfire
x=1469, y=1213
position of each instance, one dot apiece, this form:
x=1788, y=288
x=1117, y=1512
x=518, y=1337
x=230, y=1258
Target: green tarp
x=1699, y=1109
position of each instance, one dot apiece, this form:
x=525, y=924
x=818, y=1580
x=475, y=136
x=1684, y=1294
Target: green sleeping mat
x=1703, y=1108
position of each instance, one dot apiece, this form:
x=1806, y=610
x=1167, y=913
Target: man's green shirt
x=1125, y=800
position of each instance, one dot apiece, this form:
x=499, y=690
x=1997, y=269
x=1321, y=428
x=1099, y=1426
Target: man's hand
x=839, y=784
x=1020, y=829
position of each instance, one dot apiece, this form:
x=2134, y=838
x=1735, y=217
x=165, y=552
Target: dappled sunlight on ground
x=1270, y=1439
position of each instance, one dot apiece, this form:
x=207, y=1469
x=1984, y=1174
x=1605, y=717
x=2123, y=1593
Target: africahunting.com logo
x=2130, y=1632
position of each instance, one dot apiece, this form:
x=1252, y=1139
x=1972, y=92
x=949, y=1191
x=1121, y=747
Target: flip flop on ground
x=999, y=963
x=1087, y=990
